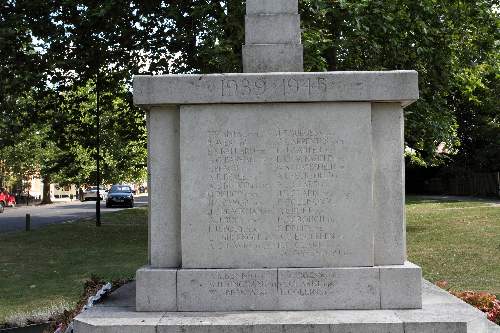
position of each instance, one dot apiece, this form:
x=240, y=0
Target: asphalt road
x=14, y=218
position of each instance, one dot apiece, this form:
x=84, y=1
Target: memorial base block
x=269, y=289
x=440, y=313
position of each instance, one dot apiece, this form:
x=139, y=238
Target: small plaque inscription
x=278, y=289
x=237, y=284
x=328, y=288
x=305, y=283
x=226, y=289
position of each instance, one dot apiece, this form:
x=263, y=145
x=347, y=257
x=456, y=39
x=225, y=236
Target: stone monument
x=280, y=191
x=277, y=190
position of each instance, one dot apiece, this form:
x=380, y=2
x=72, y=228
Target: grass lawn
x=456, y=241
x=45, y=269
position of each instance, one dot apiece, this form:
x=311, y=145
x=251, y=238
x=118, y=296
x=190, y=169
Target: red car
x=6, y=199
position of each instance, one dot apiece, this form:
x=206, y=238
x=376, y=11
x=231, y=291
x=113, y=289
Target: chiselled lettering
x=262, y=86
x=298, y=221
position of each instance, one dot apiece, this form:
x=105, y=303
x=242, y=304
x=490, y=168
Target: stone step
x=441, y=313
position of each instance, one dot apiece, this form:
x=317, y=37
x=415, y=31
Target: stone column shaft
x=272, y=37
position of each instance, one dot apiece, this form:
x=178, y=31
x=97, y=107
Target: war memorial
x=277, y=201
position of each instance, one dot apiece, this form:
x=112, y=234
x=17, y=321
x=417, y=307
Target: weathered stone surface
x=156, y=289
x=282, y=322
x=389, y=86
x=328, y=288
x=116, y=320
x=271, y=7
x=492, y=327
x=272, y=37
x=276, y=185
x=401, y=286
x=278, y=289
x=291, y=289
x=272, y=29
x=388, y=191
x=443, y=318
x=441, y=313
x=262, y=58
x=164, y=187
x=227, y=290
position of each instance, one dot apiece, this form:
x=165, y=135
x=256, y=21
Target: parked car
x=91, y=193
x=120, y=195
x=6, y=199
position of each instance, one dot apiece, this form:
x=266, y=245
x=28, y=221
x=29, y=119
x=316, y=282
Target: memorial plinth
x=277, y=191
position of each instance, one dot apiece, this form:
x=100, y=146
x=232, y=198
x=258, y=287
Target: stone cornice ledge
x=383, y=86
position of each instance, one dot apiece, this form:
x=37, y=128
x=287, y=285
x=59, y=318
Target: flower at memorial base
x=494, y=314
x=484, y=301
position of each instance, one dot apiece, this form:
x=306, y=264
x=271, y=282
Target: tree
x=78, y=42
x=476, y=85
x=123, y=149
x=57, y=50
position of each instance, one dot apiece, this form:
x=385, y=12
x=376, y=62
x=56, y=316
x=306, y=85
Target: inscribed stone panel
x=227, y=289
x=276, y=185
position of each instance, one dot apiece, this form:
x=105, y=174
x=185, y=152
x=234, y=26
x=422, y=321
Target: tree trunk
x=46, y=191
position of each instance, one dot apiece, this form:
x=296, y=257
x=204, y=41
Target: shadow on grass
x=448, y=199
x=415, y=200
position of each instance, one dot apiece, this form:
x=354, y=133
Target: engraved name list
x=299, y=218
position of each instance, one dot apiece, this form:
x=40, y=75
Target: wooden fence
x=477, y=184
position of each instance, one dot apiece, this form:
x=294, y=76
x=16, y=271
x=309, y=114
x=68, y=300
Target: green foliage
x=54, y=52
x=445, y=42
x=441, y=40
x=478, y=112
x=59, y=50
x=123, y=150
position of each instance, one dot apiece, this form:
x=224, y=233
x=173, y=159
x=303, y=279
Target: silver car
x=91, y=193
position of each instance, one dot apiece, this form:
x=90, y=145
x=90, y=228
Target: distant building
x=35, y=188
